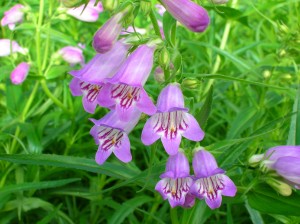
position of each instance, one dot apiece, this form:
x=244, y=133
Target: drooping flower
x=13, y=16
x=72, y=55
x=211, y=182
x=125, y=89
x=191, y=15
x=87, y=13
x=19, y=74
x=107, y=35
x=171, y=121
x=176, y=181
x=111, y=135
x=89, y=80
x=285, y=160
x=7, y=47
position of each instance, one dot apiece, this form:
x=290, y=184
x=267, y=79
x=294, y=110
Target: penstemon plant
x=216, y=81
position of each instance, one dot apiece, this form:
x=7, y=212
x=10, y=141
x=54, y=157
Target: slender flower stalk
x=72, y=55
x=210, y=181
x=191, y=15
x=175, y=183
x=89, y=80
x=111, y=135
x=7, y=47
x=124, y=90
x=13, y=16
x=87, y=13
x=20, y=73
x=171, y=121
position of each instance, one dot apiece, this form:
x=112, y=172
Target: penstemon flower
x=111, y=135
x=191, y=15
x=176, y=181
x=12, y=16
x=107, y=35
x=171, y=121
x=7, y=47
x=125, y=89
x=211, y=182
x=86, y=13
x=20, y=73
x=72, y=55
x=89, y=80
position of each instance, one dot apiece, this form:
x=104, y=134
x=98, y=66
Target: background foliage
x=246, y=99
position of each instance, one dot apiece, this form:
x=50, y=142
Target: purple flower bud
x=107, y=35
x=124, y=90
x=211, y=182
x=171, y=121
x=19, y=74
x=7, y=47
x=176, y=182
x=160, y=9
x=12, y=16
x=285, y=160
x=191, y=15
x=89, y=80
x=111, y=135
x=72, y=55
x=89, y=13
x=159, y=75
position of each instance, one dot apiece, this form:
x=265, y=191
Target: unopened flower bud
x=159, y=75
x=279, y=186
x=20, y=73
x=255, y=159
x=283, y=28
x=287, y=76
x=190, y=83
x=110, y=5
x=164, y=58
x=145, y=6
x=267, y=74
x=282, y=53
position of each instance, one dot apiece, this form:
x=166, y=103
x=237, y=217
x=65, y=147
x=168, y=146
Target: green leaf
x=254, y=215
x=203, y=115
x=127, y=208
x=36, y=185
x=266, y=200
x=294, y=133
x=169, y=27
x=57, y=71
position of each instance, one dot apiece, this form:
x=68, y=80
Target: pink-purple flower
x=111, y=134
x=72, y=55
x=191, y=15
x=87, y=13
x=175, y=182
x=8, y=46
x=20, y=73
x=124, y=90
x=171, y=121
x=107, y=35
x=89, y=80
x=210, y=181
x=285, y=160
x=13, y=16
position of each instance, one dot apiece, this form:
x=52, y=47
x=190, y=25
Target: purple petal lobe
x=289, y=168
x=229, y=187
x=88, y=105
x=193, y=131
x=160, y=188
x=282, y=151
x=104, y=97
x=123, y=151
x=149, y=136
x=204, y=164
x=179, y=165
x=145, y=104
x=19, y=74
x=102, y=155
x=75, y=87
x=171, y=145
x=215, y=203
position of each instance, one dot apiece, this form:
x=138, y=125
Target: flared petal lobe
x=7, y=47
x=191, y=15
x=20, y=73
x=277, y=152
x=289, y=168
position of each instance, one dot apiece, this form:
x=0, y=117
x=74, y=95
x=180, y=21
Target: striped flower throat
x=177, y=188
x=90, y=91
x=109, y=138
x=125, y=95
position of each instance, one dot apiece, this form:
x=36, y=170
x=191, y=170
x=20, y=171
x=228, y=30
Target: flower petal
x=289, y=168
x=204, y=164
x=75, y=87
x=216, y=203
x=125, y=114
x=193, y=131
x=171, y=145
x=145, y=104
x=179, y=165
x=122, y=152
x=149, y=136
x=89, y=106
x=229, y=188
x=102, y=155
x=159, y=187
x=104, y=98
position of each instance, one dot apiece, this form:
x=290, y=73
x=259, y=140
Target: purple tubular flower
x=193, y=16
x=211, y=182
x=72, y=55
x=171, y=121
x=89, y=13
x=176, y=181
x=12, y=16
x=7, y=47
x=107, y=35
x=285, y=160
x=111, y=135
x=89, y=80
x=20, y=73
x=125, y=89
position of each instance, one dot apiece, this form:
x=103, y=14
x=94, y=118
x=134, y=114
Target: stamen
x=170, y=123
x=90, y=91
x=109, y=137
x=210, y=186
x=125, y=95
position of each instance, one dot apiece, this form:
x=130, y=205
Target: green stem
x=174, y=216
x=154, y=23
x=38, y=37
